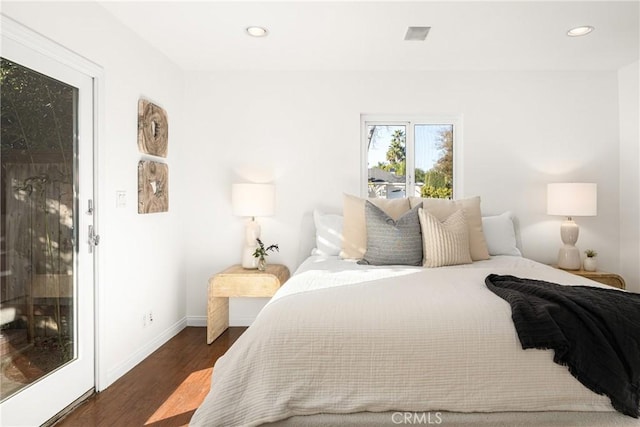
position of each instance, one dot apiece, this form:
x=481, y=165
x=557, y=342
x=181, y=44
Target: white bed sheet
x=339, y=338
x=318, y=272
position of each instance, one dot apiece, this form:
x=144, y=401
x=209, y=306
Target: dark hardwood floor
x=164, y=390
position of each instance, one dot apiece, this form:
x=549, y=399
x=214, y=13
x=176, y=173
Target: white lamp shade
x=572, y=199
x=253, y=199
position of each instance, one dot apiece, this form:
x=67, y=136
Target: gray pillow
x=392, y=242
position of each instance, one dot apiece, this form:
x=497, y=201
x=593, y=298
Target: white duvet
x=342, y=338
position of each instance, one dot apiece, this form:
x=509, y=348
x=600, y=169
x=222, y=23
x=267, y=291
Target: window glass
x=409, y=158
x=386, y=160
x=434, y=160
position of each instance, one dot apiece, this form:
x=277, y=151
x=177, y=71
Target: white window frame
x=410, y=121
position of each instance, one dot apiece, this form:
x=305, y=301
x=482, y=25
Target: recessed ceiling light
x=257, y=31
x=580, y=31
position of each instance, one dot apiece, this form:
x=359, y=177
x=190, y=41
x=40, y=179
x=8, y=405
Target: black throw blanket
x=595, y=332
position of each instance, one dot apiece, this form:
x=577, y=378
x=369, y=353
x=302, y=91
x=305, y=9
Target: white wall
x=140, y=263
x=629, y=95
x=302, y=130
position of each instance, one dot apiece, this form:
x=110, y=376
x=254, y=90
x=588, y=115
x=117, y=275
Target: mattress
x=342, y=338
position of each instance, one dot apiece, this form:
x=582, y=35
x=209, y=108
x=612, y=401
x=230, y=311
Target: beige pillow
x=443, y=208
x=444, y=243
x=354, y=229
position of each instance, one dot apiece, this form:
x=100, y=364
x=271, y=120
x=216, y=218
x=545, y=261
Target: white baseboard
x=201, y=321
x=197, y=321
x=144, y=352
x=246, y=320
x=242, y=312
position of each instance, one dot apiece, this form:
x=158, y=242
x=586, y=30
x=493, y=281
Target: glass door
x=46, y=269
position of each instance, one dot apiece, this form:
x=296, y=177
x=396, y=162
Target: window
x=410, y=157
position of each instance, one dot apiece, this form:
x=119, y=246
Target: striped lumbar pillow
x=445, y=243
x=392, y=242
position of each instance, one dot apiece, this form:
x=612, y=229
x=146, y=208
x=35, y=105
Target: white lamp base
x=569, y=258
x=248, y=260
x=569, y=255
x=251, y=234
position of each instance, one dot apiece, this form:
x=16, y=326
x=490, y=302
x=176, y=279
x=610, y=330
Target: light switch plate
x=121, y=199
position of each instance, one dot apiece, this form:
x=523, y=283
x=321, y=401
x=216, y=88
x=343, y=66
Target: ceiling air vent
x=417, y=33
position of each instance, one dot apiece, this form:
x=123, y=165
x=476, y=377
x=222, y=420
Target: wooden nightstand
x=236, y=281
x=610, y=279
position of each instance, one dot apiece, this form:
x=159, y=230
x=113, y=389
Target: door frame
x=47, y=47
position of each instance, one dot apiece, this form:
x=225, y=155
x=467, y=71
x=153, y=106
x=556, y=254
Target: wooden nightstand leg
x=217, y=317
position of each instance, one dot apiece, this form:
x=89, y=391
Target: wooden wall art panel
x=153, y=187
x=153, y=129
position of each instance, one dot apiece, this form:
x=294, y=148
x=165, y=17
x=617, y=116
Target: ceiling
x=304, y=35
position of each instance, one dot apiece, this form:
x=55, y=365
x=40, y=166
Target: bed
x=352, y=344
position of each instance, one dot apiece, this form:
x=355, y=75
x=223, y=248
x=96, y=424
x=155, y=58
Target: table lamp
x=252, y=200
x=571, y=199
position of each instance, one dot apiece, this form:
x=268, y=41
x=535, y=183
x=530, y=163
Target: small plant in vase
x=261, y=252
x=590, y=262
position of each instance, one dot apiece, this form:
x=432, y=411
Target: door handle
x=94, y=239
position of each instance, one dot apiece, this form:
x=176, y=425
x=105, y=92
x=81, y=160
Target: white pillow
x=328, y=233
x=500, y=234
